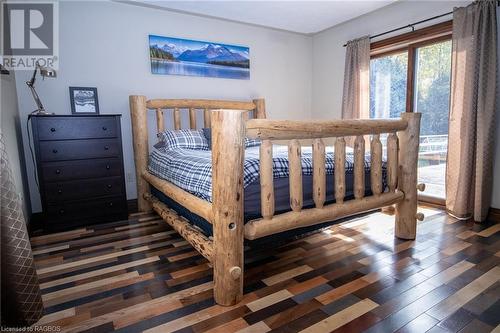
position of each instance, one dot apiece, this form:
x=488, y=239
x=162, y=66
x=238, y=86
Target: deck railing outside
x=432, y=164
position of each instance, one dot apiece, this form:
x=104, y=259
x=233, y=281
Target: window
x=415, y=77
x=388, y=85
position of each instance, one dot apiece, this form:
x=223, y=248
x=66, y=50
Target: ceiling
x=306, y=17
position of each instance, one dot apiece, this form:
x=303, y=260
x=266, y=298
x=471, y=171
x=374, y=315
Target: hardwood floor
x=139, y=275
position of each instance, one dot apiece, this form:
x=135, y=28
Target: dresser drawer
x=71, y=170
x=63, y=128
x=78, y=149
x=83, y=189
x=86, y=209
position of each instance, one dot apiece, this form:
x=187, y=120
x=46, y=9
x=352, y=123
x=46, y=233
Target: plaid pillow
x=184, y=138
x=248, y=142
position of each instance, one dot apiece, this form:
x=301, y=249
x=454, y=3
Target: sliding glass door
x=417, y=79
x=432, y=99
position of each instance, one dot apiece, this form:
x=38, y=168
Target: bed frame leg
x=138, y=113
x=228, y=133
x=406, y=210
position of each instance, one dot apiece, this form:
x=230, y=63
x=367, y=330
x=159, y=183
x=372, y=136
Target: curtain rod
x=411, y=25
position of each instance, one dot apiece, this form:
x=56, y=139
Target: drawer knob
x=110, y=204
x=106, y=147
x=58, y=172
x=54, y=151
x=104, y=128
x=110, y=186
x=59, y=191
x=108, y=167
x=52, y=129
x=61, y=211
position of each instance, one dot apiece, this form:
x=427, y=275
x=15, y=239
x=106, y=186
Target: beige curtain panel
x=356, y=97
x=469, y=169
x=21, y=298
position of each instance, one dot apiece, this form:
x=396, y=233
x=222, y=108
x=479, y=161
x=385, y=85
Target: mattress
x=191, y=170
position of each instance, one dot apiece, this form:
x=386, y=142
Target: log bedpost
x=406, y=210
x=138, y=115
x=260, y=108
x=228, y=133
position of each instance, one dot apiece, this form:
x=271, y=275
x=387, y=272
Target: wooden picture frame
x=84, y=100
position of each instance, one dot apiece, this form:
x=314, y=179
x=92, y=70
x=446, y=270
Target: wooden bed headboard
x=257, y=107
x=140, y=105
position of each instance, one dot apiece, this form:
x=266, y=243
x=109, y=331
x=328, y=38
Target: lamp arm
x=32, y=81
x=35, y=97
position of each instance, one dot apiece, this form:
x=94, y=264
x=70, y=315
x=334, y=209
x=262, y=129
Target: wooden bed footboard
x=402, y=158
x=231, y=122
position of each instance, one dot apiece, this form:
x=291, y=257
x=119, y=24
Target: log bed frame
x=230, y=124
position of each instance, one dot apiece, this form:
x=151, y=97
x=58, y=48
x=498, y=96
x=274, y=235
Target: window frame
x=410, y=42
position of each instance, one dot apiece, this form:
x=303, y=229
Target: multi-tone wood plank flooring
x=139, y=275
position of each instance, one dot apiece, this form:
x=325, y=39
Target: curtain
x=21, y=298
x=469, y=169
x=356, y=97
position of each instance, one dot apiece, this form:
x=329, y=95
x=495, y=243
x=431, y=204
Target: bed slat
x=160, y=121
x=339, y=170
x=192, y=118
x=266, y=179
x=206, y=118
x=177, y=119
x=319, y=173
x=359, y=167
x=392, y=161
x=295, y=169
x=376, y=165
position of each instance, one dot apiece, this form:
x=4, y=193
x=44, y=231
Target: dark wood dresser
x=80, y=169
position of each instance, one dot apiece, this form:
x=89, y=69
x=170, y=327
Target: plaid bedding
x=191, y=170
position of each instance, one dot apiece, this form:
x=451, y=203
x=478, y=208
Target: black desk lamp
x=44, y=72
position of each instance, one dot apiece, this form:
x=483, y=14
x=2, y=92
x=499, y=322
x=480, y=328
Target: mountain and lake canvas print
x=176, y=56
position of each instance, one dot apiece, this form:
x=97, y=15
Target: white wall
x=329, y=57
x=11, y=125
x=105, y=45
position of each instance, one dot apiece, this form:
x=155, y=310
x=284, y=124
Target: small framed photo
x=84, y=100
